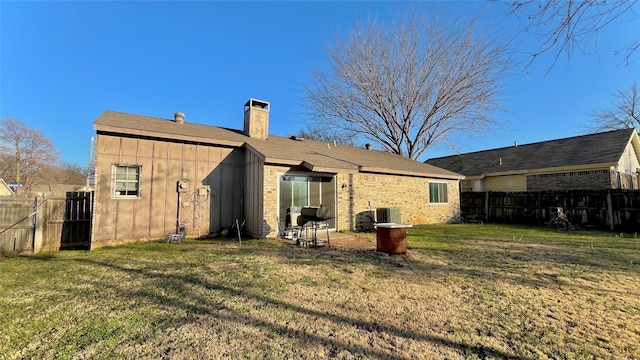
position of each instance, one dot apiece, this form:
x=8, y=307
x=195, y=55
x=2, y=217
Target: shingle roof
x=322, y=156
x=150, y=126
x=314, y=155
x=600, y=148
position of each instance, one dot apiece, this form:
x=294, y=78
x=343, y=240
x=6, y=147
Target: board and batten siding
x=254, y=190
x=163, y=163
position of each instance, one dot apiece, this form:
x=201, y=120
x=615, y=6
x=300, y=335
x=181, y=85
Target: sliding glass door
x=307, y=190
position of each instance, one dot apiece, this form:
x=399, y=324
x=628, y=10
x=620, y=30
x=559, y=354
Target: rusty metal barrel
x=391, y=238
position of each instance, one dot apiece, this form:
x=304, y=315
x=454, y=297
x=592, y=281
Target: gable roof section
x=601, y=149
x=313, y=155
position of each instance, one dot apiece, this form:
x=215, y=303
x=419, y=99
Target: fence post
x=38, y=226
x=610, y=210
x=486, y=205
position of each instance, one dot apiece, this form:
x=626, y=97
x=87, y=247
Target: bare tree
x=409, y=85
x=71, y=173
x=25, y=151
x=568, y=25
x=315, y=132
x=624, y=114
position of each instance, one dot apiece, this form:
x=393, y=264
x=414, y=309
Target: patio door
x=307, y=190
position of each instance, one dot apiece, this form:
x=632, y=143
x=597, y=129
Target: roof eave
x=329, y=169
x=555, y=169
x=279, y=161
x=163, y=135
x=371, y=169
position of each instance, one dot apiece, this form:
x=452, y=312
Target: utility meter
x=183, y=186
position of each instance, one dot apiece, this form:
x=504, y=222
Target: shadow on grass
x=166, y=284
x=555, y=266
x=200, y=305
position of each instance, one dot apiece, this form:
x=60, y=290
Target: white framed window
x=126, y=181
x=438, y=192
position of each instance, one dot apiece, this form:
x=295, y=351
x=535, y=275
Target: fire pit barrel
x=391, y=238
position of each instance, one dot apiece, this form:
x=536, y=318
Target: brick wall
x=573, y=180
x=363, y=193
x=410, y=194
x=270, y=208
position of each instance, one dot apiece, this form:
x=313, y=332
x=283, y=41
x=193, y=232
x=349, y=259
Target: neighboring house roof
x=594, y=150
x=277, y=150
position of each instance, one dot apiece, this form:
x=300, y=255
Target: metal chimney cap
x=179, y=117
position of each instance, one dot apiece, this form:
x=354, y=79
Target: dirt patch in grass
x=344, y=241
x=453, y=295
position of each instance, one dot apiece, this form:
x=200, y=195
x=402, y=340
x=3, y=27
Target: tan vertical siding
x=159, y=191
x=142, y=208
x=162, y=165
x=173, y=175
x=254, y=188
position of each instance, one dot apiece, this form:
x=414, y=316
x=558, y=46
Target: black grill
x=313, y=214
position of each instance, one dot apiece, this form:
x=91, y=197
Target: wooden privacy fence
x=613, y=209
x=17, y=224
x=45, y=223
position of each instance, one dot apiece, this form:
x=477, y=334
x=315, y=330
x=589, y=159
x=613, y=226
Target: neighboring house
x=608, y=160
x=5, y=190
x=153, y=175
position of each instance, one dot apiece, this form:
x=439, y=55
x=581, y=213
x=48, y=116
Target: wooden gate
x=50, y=223
x=67, y=223
x=17, y=224
x=76, y=229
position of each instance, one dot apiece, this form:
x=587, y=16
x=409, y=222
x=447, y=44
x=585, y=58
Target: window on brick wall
x=126, y=181
x=438, y=192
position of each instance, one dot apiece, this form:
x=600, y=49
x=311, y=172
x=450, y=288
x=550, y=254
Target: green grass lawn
x=461, y=291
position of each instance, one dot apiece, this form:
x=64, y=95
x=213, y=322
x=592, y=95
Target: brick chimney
x=256, y=119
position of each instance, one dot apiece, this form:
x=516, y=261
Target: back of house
x=158, y=176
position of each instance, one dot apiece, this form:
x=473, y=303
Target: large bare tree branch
x=568, y=25
x=411, y=84
x=624, y=114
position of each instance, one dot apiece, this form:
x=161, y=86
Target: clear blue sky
x=64, y=63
